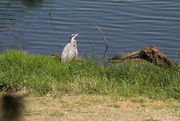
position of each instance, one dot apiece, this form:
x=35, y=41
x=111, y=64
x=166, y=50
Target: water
x=44, y=26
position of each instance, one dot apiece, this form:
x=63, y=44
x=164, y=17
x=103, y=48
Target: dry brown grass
x=99, y=108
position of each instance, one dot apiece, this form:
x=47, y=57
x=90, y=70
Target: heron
x=70, y=50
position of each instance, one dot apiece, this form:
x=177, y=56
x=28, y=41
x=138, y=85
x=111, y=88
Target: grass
x=151, y=119
x=45, y=74
x=114, y=106
x=98, y=108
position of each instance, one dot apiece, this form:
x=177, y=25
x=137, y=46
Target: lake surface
x=44, y=26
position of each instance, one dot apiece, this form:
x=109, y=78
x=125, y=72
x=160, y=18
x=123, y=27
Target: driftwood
x=149, y=53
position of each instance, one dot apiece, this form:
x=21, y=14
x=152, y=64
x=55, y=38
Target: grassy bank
x=43, y=74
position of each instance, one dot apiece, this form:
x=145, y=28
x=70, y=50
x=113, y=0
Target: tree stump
x=149, y=53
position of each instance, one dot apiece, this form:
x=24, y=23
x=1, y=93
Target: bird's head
x=72, y=38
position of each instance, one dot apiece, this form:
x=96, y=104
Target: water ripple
x=128, y=25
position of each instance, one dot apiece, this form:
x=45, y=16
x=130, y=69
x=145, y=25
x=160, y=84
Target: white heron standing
x=70, y=50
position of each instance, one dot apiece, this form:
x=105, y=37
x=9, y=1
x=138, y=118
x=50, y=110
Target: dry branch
x=103, y=38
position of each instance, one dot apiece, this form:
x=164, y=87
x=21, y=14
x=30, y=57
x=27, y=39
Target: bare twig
x=104, y=40
x=102, y=35
x=51, y=10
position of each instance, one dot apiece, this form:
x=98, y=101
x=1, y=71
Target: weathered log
x=153, y=54
x=123, y=57
x=149, y=53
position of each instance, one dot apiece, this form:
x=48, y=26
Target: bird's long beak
x=76, y=34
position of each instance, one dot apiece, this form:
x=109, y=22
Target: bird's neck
x=73, y=41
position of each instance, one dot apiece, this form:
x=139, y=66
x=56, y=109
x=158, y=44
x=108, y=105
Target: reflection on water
x=32, y=3
x=127, y=25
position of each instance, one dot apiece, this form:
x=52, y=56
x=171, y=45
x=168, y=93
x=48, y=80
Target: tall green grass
x=43, y=74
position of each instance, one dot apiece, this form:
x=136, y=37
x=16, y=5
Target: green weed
x=42, y=74
x=114, y=106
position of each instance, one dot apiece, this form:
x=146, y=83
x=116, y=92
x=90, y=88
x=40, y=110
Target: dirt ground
x=98, y=108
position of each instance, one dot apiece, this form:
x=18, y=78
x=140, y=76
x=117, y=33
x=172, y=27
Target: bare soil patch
x=99, y=108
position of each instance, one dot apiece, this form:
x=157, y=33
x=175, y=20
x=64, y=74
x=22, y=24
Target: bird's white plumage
x=70, y=50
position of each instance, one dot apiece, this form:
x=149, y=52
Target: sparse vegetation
x=151, y=119
x=114, y=106
x=98, y=108
x=43, y=74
